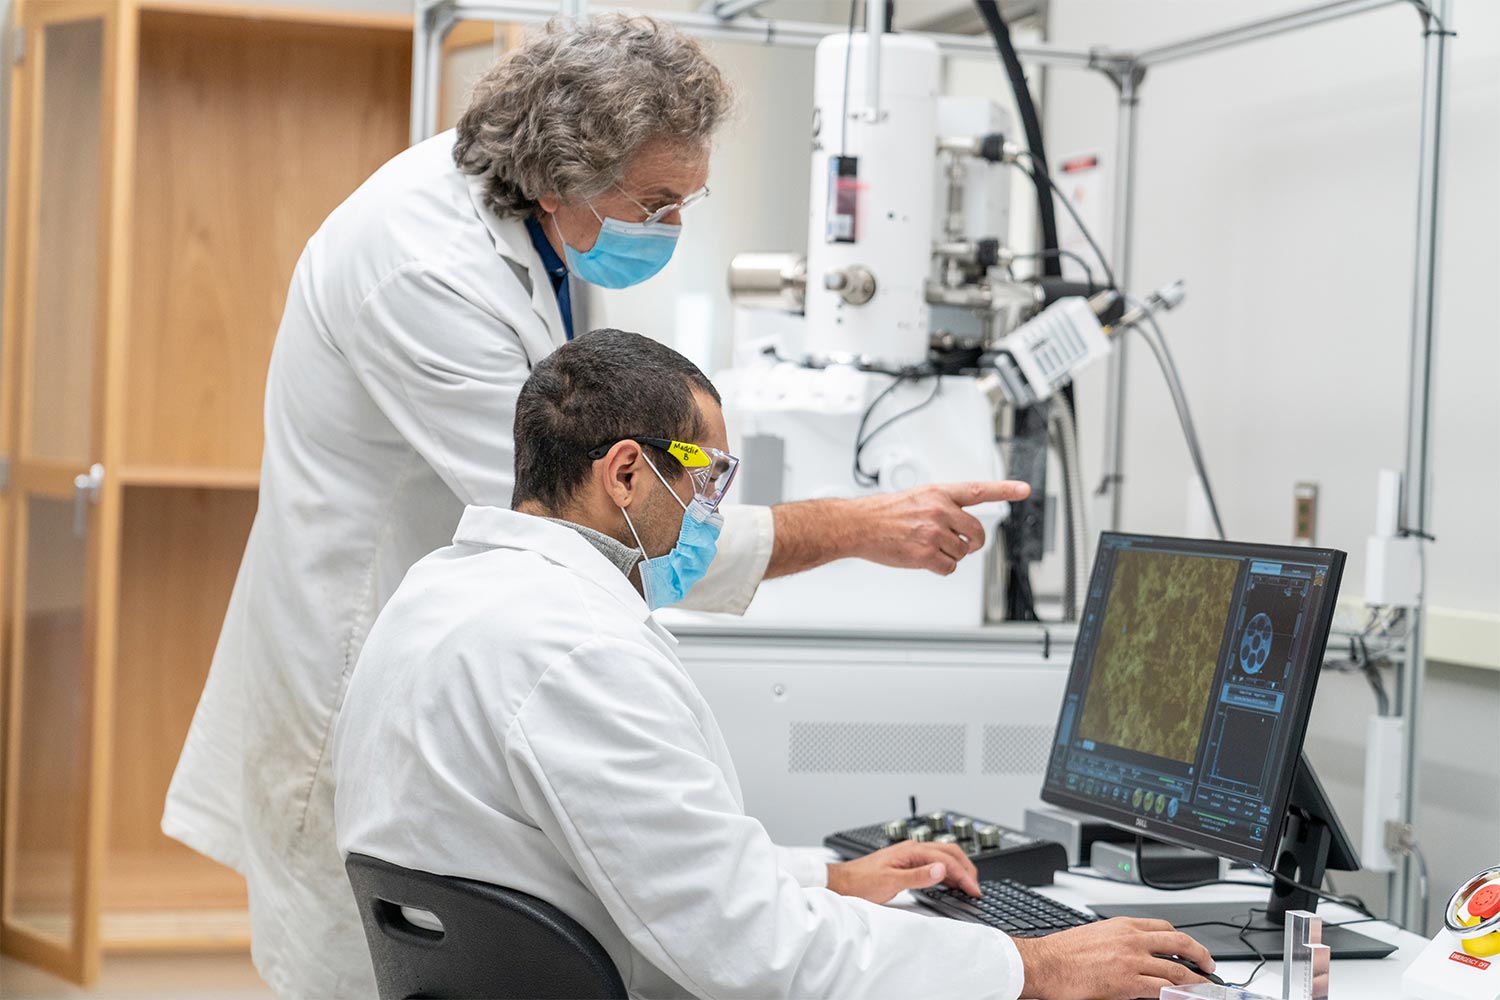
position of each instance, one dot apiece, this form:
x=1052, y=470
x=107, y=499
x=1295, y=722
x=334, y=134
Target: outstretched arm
x=924, y=528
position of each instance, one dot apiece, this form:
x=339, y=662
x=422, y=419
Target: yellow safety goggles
x=711, y=470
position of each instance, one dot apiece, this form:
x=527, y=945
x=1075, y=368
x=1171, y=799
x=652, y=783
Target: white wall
x=758, y=177
x=1279, y=179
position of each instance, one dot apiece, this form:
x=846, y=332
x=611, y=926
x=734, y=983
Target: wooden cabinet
x=167, y=163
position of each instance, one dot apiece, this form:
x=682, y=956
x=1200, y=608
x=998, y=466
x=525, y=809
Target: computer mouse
x=1192, y=966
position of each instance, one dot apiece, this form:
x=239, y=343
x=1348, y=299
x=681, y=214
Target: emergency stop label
x=1469, y=960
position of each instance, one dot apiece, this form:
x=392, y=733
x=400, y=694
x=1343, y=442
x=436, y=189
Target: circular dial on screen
x=1255, y=644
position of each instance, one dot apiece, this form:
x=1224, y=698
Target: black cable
x=862, y=439
x=1174, y=887
x=1354, y=903
x=1046, y=213
x=1061, y=252
x=1157, y=341
x=1372, y=674
x=1250, y=919
x=1067, y=203
x=848, y=55
x=937, y=386
x=861, y=477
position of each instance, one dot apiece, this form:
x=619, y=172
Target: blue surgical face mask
x=666, y=580
x=625, y=254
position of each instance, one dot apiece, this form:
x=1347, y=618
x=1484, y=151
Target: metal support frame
x=1127, y=75
x=1417, y=491
x=723, y=20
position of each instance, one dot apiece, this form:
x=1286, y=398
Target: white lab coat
x=413, y=318
x=519, y=718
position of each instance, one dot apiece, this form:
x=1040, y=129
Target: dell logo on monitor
x=1140, y=823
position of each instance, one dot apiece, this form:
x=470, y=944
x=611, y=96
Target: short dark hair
x=595, y=390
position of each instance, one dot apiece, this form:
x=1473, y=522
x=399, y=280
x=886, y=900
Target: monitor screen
x=1192, y=680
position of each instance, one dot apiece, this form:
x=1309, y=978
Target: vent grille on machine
x=1016, y=749
x=866, y=747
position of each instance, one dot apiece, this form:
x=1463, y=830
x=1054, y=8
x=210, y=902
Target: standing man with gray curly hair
x=414, y=317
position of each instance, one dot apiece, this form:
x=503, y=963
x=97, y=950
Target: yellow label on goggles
x=690, y=455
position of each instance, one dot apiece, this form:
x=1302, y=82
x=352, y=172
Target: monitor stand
x=1313, y=842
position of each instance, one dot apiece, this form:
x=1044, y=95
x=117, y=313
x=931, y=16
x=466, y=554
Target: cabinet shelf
x=225, y=478
x=181, y=155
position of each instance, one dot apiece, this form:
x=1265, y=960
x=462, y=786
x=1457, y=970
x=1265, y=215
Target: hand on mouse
x=1110, y=960
x=908, y=865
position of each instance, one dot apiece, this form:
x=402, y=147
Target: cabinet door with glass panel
x=55, y=327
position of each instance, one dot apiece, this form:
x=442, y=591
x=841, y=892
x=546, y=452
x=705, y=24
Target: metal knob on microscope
x=945, y=838
x=920, y=833
x=962, y=827
x=987, y=835
x=896, y=829
x=937, y=820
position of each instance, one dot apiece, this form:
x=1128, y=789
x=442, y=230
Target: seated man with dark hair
x=517, y=717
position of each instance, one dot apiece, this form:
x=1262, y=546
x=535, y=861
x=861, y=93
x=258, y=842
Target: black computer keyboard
x=1007, y=905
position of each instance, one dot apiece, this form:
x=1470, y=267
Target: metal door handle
x=86, y=487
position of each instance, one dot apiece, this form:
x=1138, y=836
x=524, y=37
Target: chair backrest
x=495, y=942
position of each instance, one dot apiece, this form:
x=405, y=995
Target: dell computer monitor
x=1192, y=680
x=1193, y=675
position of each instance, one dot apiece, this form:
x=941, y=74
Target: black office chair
x=495, y=942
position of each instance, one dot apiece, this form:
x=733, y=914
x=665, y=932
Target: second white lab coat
x=413, y=318
x=519, y=718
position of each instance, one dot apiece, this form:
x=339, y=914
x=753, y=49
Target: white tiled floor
x=162, y=977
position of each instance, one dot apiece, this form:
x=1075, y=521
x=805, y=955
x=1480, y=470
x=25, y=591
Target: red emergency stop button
x=1486, y=902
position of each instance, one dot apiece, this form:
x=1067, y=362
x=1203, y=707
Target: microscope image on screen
x=1162, y=630
x=1269, y=620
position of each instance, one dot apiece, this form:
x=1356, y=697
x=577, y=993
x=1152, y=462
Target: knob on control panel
x=963, y=828
x=922, y=833
x=945, y=838
x=989, y=836
x=938, y=821
x=896, y=829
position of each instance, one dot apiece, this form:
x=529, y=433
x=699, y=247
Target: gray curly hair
x=563, y=113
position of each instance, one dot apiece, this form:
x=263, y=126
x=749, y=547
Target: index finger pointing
x=969, y=494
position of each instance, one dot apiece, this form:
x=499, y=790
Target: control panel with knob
x=999, y=852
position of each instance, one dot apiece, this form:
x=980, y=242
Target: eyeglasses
x=711, y=470
x=654, y=216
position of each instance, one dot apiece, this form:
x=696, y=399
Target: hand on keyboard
x=881, y=875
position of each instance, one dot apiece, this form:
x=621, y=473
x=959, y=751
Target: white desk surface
x=1350, y=979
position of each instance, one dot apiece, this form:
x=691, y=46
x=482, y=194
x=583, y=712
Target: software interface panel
x=1182, y=714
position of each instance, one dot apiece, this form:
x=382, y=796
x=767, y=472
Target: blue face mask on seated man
x=625, y=254
x=666, y=580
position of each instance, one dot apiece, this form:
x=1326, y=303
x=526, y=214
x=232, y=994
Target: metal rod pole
x=433, y=22
x=769, y=32
x=436, y=18
x=1256, y=30
x=1417, y=494
x=728, y=10
x=1129, y=83
x=874, y=29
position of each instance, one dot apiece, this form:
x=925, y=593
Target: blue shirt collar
x=550, y=260
x=557, y=272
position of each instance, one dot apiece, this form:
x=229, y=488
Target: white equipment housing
x=796, y=425
x=832, y=730
x=795, y=428
x=893, y=230
x=1063, y=339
